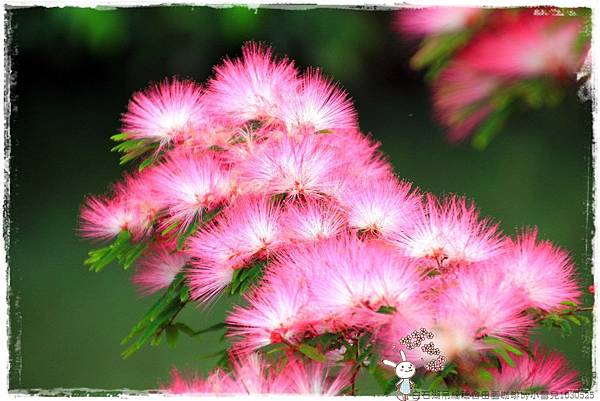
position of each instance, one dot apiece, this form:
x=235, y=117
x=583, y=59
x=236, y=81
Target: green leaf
x=501, y=352
x=167, y=230
x=574, y=319
x=312, y=352
x=121, y=249
x=384, y=379
x=158, y=318
x=485, y=375
x=387, y=310
x=172, y=334
x=147, y=162
x=120, y=137
x=494, y=341
x=489, y=128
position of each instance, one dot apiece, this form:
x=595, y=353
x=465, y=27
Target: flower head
x=303, y=166
x=165, y=112
x=189, y=184
x=158, y=267
x=544, y=371
x=450, y=232
x=436, y=20
x=544, y=272
x=319, y=105
x=252, y=87
x=389, y=207
x=313, y=220
x=104, y=218
x=248, y=229
x=479, y=305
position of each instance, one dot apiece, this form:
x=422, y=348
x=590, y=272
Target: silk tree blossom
x=313, y=220
x=189, y=184
x=461, y=98
x=104, y=218
x=318, y=105
x=303, y=166
x=362, y=155
x=526, y=45
x=251, y=375
x=450, y=232
x=544, y=371
x=246, y=230
x=312, y=378
x=544, y=272
x=252, y=87
x=278, y=311
x=165, y=112
x=390, y=207
x=157, y=268
x=352, y=280
x=478, y=305
x=437, y=20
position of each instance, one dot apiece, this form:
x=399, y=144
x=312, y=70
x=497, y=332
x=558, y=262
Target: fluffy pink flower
x=544, y=372
x=436, y=20
x=312, y=378
x=450, y=232
x=461, y=98
x=165, y=112
x=143, y=198
x=251, y=375
x=158, y=267
x=189, y=184
x=384, y=208
x=303, y=166
x=247, y=229
x=544, y=272
x=478, y=305
x=361, y=155
x=526, y=45
x=277, y=311
x=104, y=218
x=319, y=105
x=313, y=220
x=351, y=280
x=252, y=87
x=248, y=376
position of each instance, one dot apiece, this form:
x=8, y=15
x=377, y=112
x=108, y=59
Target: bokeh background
x=74, y=71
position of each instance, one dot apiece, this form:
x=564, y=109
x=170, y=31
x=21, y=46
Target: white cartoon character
x=404, y=370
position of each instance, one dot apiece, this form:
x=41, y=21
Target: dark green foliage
x=122, y=249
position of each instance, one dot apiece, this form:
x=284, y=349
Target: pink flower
x=544, y=372
x=319, y=105
x=252, y=87
x=526, y=45
x=165, y=112
x=478, y=305
x=277, y=311
x=461, y=98
x=449, y=233
x=312, y=378
x=436, y=20
x=104, y=218
x=248, y=229
x=544, y=272
x=189, y=184
x=350, y=281
x=158, y=267
x=383, y=208
x=361, y=155
x=313, y=220
x=251, y=375
x=303, y=166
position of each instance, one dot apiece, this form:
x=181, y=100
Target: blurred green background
x=74, y=70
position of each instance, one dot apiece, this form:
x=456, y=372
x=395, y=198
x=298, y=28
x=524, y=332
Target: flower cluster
x=483, y=62
x=260, y=182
